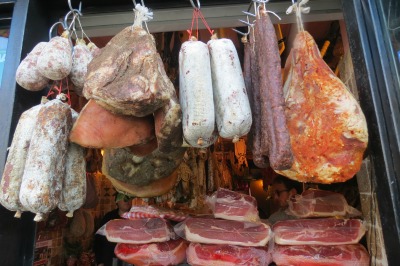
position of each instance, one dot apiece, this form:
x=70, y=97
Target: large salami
x=80, y=61
x=12, y=176
x=73, y=194
x=45, y=164
x=271, y=93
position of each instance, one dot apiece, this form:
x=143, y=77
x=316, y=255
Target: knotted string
x=299, y=9
x=195, y=17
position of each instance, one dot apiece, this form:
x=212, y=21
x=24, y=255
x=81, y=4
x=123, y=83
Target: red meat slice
x=227, y=255
x=138, y=212
x=171, y=252
x=97, y=127
x=141, y=231
x=216, y=231
x=325, y=231
x=321, y=203
x=343, y=255
x=231, y=205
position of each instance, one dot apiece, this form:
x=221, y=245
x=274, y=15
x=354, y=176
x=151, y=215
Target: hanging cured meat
x=328, y=131
x=274, y=132
x=80, y=60
x=128, y=76
x=110, y=130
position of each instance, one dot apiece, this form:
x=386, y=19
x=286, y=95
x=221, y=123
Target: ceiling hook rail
x=194, y=6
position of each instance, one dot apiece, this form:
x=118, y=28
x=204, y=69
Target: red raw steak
x=171, y=252
x=216, y=231
x=325, y=231
x=343, y=255
x=227, y=255
x=141, y=231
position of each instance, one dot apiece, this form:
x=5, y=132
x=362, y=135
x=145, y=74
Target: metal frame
x=377, y=92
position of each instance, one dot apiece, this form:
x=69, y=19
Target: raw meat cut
x=172, y=252
x=127, y=76
x=320, y=203
x=120, y=164
x=227, y=255
x=109, y=130
x=140, y=231
x=231, y=205
x=328, y=130
x=153, y=211
x=218, y=231
x=324, y=231
x=342, y=255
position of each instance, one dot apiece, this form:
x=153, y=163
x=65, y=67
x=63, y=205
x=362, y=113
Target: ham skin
x=110, y=130
x=328, y=130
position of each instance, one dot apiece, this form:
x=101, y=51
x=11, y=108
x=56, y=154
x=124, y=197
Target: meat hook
x=73, y=9
x=194, y=6
x=52, y=27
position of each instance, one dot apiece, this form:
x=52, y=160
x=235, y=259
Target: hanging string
x=57, y=89
x=298, y=8
x=142, y=14
x=195, y=17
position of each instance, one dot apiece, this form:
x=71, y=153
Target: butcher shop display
x=342, y=255
x=172, y=252
x=320, y=203
x=323, y=231
x=328, y=131
x=140, y=231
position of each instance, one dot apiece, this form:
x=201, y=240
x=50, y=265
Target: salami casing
x=45, y=163
x=80, y=60
x=232, y=107
x=28, y=75
x=196, y=94
x=55, y=60
x=12, y=176
x=73, y=194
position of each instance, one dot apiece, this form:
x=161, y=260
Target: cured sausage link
x=260, y=141
x=14, y=169
x=45, y=164
x=269, y=63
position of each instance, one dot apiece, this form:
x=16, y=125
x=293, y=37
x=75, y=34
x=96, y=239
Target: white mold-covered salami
x=232, y=107
x=45, y=164
x=196, y=94
x=55, y=60
x=14, y=168
x=73, y=194
x=80, y=60
x=27, y=75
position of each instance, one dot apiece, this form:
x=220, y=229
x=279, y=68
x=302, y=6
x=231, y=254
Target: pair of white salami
x=212, y=91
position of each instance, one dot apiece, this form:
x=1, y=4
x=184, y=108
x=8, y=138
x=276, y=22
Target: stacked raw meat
x=145, y=238
x=324, y=239
x=235, y=240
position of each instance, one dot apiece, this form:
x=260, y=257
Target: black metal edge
x=374, y=94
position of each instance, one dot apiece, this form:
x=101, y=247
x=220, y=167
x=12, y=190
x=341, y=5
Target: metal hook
x=194, y=6
x=52, y=27
x=76, y=14
x=134, y=2
x=78, y=10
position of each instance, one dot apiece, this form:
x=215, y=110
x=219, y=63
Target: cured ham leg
x=328, y=131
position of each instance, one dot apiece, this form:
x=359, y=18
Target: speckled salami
x=28, y=76
x=12, y=176
x=55, y=60
x=73, y=192
x=45, y=163
x=168, y=125
x=80, y=60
